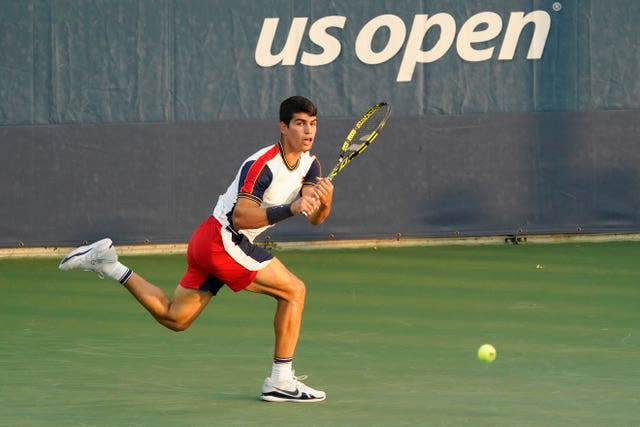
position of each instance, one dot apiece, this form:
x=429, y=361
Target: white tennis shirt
x=266, y=178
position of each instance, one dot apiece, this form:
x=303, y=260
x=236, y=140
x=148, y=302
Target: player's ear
x=283, y=127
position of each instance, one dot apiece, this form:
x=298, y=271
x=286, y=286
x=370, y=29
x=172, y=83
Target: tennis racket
x=365, y=131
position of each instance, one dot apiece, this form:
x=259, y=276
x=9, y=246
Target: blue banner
x=73, y=61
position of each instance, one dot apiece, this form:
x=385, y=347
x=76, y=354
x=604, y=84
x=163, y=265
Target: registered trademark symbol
x=557, y=6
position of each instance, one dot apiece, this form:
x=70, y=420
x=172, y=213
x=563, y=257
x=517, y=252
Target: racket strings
x=363, y=135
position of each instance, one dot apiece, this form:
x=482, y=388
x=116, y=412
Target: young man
x=275, y=183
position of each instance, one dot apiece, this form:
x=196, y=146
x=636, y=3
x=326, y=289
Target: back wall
x=128, y=119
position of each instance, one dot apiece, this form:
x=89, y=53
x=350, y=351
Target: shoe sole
x=269, y=398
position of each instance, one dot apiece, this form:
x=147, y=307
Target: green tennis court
x=390, y=335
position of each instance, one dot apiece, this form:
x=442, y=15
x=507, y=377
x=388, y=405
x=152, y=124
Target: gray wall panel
x=482, y=174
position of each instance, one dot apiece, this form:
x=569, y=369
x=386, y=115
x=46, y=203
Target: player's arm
x=248, y=213
x=323, y=193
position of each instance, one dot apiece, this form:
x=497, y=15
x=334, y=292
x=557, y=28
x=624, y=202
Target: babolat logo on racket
x=476, y=39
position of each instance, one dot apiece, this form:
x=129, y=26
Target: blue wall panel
x=129, y=117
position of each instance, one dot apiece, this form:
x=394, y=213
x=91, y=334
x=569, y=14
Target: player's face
x=299, y=134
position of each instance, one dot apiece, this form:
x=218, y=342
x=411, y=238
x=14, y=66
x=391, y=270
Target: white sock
x=281, y=371
x=119, y=272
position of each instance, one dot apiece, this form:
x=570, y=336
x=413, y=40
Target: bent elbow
x=237, y=220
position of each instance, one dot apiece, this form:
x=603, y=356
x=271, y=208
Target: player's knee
x=180, y=326
x=175, y=324
x=297, y=291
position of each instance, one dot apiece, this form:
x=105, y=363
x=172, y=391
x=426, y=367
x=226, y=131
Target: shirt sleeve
x=255, y=178
x=315, y=171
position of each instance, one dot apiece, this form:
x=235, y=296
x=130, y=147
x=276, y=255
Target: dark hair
x=296, y=104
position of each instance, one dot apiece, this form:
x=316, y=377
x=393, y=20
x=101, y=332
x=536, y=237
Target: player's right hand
x=305, y=205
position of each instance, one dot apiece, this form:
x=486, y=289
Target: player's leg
x=176, y=314
x=289, y=291
x=101, y=258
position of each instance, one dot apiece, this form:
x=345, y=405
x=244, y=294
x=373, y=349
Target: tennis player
x=275, y=183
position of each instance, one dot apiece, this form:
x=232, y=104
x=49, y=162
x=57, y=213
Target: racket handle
x=304, y=214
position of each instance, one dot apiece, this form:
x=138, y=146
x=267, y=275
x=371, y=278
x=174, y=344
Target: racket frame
x=345, y=157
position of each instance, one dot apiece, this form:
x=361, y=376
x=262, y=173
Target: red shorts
x=209, y=266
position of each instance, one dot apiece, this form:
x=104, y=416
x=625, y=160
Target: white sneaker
x=292, y=390
x=96, y=257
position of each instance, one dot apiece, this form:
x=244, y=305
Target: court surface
x=390, y=334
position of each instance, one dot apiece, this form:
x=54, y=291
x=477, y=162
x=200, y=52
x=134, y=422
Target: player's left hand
x=324, y=191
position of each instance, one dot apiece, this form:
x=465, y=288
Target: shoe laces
x=297, y=381
x=298, y=378
x=98, y=259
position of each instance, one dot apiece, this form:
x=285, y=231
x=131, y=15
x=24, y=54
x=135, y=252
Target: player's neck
x=291, y=157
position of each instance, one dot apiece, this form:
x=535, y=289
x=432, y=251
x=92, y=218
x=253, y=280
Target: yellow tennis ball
x=487, y=353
